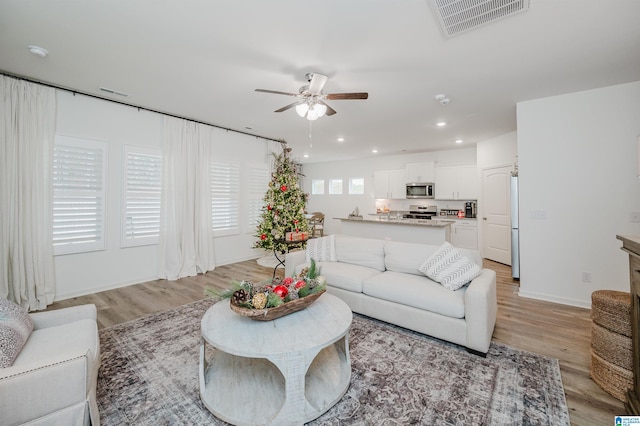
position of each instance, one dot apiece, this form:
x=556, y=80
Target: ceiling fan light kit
x=311, y=103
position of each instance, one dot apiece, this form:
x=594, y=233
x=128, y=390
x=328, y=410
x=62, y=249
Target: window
x=79, y=178
x=335, y=186
x=142, y=183
x=225, y=190
x=356, y=186
x=317, y=186
x=258, y=176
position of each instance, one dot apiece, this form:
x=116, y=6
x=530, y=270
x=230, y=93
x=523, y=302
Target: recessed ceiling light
x=37, y=50
x=375, y=151
x=306, y=155
x=441, y=123
x=340, y=139
x=458, y=140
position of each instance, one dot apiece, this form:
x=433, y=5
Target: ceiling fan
x=311, y=100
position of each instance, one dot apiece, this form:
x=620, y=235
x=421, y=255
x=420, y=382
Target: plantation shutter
x=141, y=196
x=259, y=177
x=225, y=189
x=79, y=177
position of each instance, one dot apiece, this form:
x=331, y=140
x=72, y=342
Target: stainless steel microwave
x=420, y=190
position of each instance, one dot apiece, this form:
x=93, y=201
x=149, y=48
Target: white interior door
x=496, y=214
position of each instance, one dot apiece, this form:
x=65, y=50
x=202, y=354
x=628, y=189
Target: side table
x=290, y=245
x=283, y=372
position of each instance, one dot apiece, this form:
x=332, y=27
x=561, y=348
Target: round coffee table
x=287, y=371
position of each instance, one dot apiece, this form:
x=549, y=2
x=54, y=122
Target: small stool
x=611, y=349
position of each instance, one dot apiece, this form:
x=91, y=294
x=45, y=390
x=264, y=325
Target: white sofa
x=53, y=379
x=380, y=279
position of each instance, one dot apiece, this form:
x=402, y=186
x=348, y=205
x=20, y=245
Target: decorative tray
x=269, y=314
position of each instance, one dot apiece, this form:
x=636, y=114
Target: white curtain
x=186, y=235
x=27, y=129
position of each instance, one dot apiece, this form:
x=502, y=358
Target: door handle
x=484, y=218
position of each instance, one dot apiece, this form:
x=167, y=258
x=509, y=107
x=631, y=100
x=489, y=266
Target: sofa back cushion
x=407, y=257
x=360, y=251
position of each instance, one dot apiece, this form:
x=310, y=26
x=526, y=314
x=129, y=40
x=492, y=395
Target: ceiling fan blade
x=330, y=111
x=284, y=108
x=344, y=96
x=317, y=83
x=276, y=92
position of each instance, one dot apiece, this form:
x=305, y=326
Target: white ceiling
x=202, y=59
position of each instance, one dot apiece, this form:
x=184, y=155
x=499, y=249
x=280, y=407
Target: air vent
x=114, y=92
x=459, y=16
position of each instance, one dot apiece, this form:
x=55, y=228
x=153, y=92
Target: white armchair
x=53, y=379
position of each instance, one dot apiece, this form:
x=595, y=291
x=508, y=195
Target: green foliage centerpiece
x=279, y=297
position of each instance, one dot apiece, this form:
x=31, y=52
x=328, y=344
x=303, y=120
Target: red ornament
x=283, y=188
x=263, y=236
x=281, y=291
x=287, y=281
x=300, y=284
x=269, y=207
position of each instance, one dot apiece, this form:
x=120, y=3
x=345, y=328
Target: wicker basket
x=612, y=310
x=611, y=378
x=269, y=314
x=612, y=346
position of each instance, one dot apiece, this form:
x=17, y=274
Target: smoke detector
x=37, y=50
x=458, y=16
x=443, y=99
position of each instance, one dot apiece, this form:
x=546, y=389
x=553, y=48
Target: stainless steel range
x=417, y=211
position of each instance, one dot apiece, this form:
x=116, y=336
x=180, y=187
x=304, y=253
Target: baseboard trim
x=555, y=299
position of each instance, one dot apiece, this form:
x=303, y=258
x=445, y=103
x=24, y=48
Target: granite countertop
x=401, y=221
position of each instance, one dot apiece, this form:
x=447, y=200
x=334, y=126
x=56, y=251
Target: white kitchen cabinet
x=456, y=182
x=464, y=234
x=421, y=172
x=390, y=183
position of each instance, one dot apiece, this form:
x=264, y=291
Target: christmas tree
x=284, y=205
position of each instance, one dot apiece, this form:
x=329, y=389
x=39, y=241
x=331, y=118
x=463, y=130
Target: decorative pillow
x=15, y=327
x=322, y=249
x=449, y=267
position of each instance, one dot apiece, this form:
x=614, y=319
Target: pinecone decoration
x=312, y=283
x=303, y=273
x=240, y=297
x=293, y=293
x=259, y=300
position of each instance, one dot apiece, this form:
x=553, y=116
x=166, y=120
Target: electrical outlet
x=635, y=216
x=586, y=277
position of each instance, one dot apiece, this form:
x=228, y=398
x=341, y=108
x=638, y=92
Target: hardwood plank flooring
x=554, y=330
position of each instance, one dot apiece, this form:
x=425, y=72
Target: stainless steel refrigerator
x=515, y=237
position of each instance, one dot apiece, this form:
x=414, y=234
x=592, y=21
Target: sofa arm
x=63, y=316
x=292, y=260
x=481, y=308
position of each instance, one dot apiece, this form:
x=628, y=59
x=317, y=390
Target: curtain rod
x=43, y=83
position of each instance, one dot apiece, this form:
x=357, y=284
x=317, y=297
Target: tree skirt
x=268, y=261
x=149, y=376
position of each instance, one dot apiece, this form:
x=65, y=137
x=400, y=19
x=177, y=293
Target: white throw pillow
x=449, y=267
x=322, y=249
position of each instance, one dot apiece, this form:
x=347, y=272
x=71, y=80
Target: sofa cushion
x=15, y=328
x=416, y=291
x=360, y=251
x=406, y=257
x=343, y=275
x=321, y=249
x=449, y=267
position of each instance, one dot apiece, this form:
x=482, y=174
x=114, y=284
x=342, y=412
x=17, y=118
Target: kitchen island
x=407, y=230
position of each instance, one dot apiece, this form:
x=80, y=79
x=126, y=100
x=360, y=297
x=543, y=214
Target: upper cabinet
x=421, y=172
x=456, y=182
x=390, y=183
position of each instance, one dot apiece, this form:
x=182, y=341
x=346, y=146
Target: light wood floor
x=550, y=329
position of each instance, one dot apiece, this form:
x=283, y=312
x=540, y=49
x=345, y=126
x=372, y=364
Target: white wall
x=119, y=125
x=578, y=186
x=342, y=205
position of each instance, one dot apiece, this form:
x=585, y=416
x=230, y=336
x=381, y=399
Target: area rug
x=149, y=376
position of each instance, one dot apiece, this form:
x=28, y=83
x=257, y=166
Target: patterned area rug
x=149, y=376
